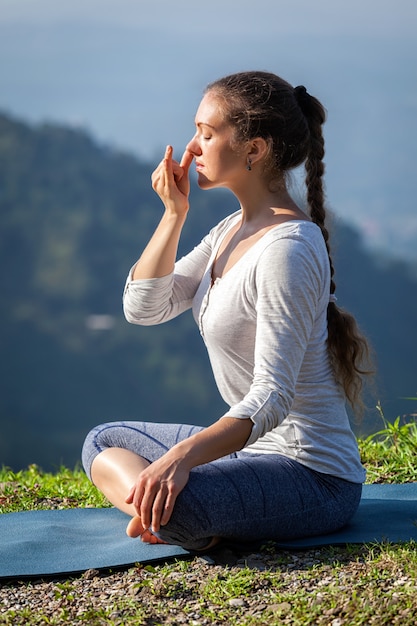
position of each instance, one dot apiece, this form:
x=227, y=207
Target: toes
x=149, y=537
x=135, y=529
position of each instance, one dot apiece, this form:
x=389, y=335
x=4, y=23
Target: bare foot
x=136, y=529
x=211, y=544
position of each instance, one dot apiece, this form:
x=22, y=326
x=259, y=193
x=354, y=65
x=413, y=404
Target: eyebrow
x=205, y=124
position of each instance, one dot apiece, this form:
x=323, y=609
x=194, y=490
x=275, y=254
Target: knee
x=101, y=438
x=87, y=455
x=92, y=447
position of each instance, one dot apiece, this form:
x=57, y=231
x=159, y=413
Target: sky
x=131, y=73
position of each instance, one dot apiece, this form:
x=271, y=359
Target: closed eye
x=204, y=129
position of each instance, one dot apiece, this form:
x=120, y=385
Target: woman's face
x=218, y=162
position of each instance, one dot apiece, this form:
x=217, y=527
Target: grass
x=34, y=489
x=332, y=586
x=390, y=454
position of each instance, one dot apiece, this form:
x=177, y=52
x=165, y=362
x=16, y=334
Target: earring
x=249, y=165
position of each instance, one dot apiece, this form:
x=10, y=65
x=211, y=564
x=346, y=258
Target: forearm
x=225, y=436
x=160, y=254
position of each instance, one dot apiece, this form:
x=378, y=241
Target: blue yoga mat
x=39, y=543
x=56, y=542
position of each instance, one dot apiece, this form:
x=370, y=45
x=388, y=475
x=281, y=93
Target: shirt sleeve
x=156, y=300
x=289, y=293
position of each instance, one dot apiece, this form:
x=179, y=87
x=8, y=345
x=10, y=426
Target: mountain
x=74, y=216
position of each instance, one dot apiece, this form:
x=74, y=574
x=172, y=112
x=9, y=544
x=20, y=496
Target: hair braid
x=314, y=166
x=260, y=104
x=348, y=348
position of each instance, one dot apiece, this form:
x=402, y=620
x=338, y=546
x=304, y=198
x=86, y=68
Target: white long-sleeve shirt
x=264, y=324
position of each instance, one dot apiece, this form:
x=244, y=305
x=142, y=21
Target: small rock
x=205, y=560
x=90, y=573
x=236, y=602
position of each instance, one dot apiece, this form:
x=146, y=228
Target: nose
x=193, y=146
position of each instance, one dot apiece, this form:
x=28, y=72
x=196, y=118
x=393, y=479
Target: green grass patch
x=34, y=489
x=390, y=455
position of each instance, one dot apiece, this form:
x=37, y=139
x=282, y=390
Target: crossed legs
x=244, y=497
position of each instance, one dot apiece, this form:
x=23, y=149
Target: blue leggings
x=242, y=497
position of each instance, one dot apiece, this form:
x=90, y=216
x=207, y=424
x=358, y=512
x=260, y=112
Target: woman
x=283, y=461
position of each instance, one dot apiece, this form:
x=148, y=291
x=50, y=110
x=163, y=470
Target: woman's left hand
x=156, y=490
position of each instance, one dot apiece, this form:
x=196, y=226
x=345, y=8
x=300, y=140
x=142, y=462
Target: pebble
x=236, y=602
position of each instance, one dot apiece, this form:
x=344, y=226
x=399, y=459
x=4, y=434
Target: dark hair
x=260, y=104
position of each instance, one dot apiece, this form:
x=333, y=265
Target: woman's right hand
x=155, y=491
x=171, y=182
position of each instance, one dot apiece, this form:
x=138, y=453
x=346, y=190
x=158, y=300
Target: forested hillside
x=74, y=217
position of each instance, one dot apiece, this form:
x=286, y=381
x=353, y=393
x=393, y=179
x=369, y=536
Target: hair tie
x=300, y=94
x=300, y=90
x=332, y=298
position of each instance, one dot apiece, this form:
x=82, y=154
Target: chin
x=205, y=183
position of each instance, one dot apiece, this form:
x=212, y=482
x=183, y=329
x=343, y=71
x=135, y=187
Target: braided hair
x=260, y=104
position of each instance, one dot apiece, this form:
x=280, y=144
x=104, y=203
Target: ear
x=257, y=149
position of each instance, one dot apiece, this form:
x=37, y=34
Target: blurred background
x=90, y=94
